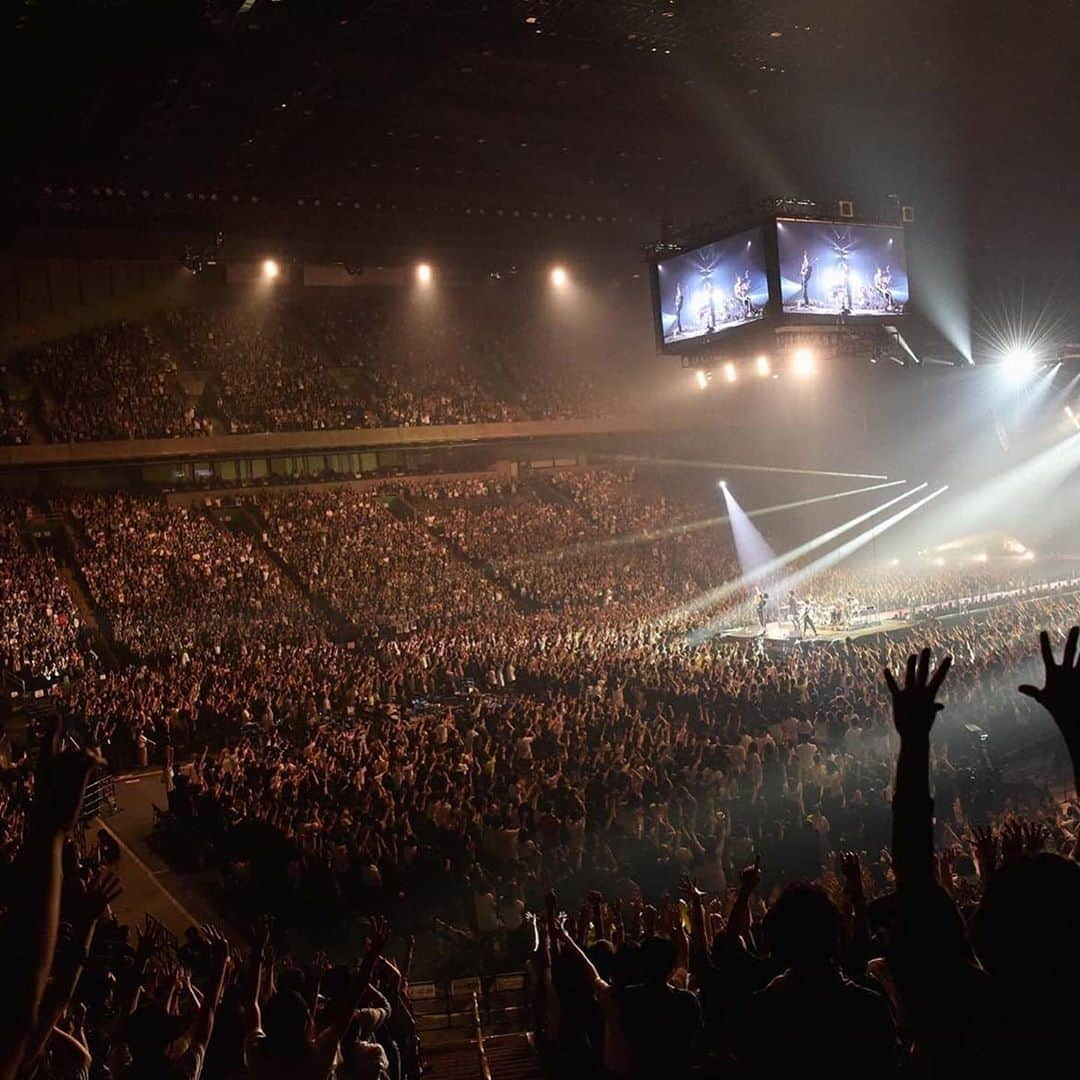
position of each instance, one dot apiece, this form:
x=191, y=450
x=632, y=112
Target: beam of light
x=1025, y=489
x=701, y=377
x=1029, y=389
x=559, y=278
x=730, y=374
x=939, y=248
x=648, y=536
x=838, y=554
x=1065, y=395
x=751, y=547
x=717, y=466
x=762, y=366
x=270, y=269
x=729, y=588
x=1070, y=412
x=424, y=273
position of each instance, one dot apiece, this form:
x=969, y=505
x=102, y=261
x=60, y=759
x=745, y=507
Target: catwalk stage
x=782, y=632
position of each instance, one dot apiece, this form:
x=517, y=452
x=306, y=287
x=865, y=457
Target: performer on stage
x=709, y=310
x=845, y=277
x=808, y=618
x=742, y=295
x=761, y=602
x=793, y=614
x=678, y=307
x=882, y=283
x=805, y=273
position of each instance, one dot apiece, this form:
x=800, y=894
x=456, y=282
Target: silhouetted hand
x=100, y=891
x=851, y=869
x=984, y=850
x=1060, y=697
x=750, y=878
x=379, y=936
x=219, y=946
x=914, y=707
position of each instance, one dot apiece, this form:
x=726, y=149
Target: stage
x=782, y=632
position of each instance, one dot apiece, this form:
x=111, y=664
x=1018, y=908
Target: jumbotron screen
x=712, y=288
x=840, y=268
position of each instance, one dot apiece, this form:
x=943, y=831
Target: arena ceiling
x=606, y=115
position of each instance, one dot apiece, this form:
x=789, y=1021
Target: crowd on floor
x=480, y=754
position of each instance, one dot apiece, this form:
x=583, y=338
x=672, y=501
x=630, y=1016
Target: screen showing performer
x=838, y=268
x=712, y=288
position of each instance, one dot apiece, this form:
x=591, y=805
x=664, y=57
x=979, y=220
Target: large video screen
x=839, y=268
x=710, y=289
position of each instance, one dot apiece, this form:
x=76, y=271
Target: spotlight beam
x=1030, y=483
x=649, y=536
x=751, y=547
x=685, y=464
x=722, y=592
x=831, y=558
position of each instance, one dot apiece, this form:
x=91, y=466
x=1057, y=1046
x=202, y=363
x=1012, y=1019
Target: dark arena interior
x=540, y=538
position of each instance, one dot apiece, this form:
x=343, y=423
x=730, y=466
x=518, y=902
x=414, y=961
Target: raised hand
x=100, y=891
x=851, y=869
x=1060, y=696
x=1021, y=837
x=914, y=704
x=750, y=878
x=219, y=945
x=379, y=936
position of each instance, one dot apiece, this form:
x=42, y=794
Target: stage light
x=729, y=372
x=939, y=561
x=804, y=363
x=762, y=366
x=423, y=273
x=1028, y=556
x=982, y=557
x=559, y=277
x=270, y=269
x=1018, y=364
x=1070, y=412
x=722, y=483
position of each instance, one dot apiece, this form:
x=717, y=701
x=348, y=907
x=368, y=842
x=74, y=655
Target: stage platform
x=782, y=632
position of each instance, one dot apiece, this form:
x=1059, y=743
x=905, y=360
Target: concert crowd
x=366, y=704
x=293, y=365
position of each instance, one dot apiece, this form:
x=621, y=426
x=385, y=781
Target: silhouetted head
x=657, y=959
x=803, y=927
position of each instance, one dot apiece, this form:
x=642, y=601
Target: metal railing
x=100, y=798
